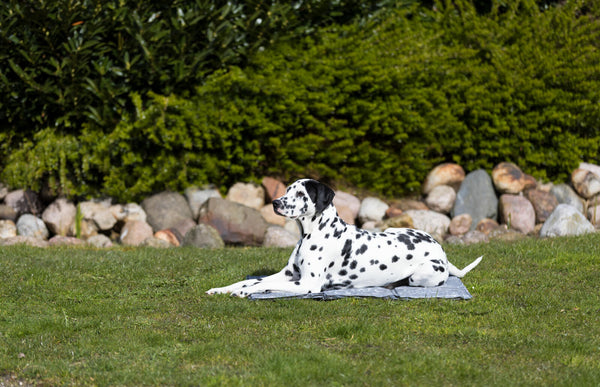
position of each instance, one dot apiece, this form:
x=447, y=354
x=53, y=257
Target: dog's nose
x=276, y=203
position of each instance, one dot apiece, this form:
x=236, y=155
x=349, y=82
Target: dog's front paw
x=216, y=291
x=240, y=294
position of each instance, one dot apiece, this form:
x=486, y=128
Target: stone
x=32, y=226
x=203, y=236
x=392, y=212
x=517, y=212
x=593, y=213
x=401, y=221
x=441, y=199
x=196, y=197
x=236, y=223
x=476, y=197
x=543, y=203
x=274, y=188
x=486, y=225
x=59, y=216
x=372, y=208
x=99, y=213
x=8, y=228
x=99, y=241
x=507, y=235
x=475, y=236
x=347, y=206
x=7, y=212
x=595, y=169
x=135, y=232
x=24, y=202
x=406, y=204
x=24, y=240
x=444, y=174
x=566, y=195
x=586, y=183
x=460, y=224
x=87, y=229
x=431, y=222
x=271, y=217
x=292, y=227
x=169, y=236
x=248, y=194
x=166, y=209
x=127, y=212
x=279, y=237
x=156, y=243
x=508, y=178
x=565, y=220
x=61, y=240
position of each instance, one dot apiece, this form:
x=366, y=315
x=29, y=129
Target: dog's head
x=305, y=197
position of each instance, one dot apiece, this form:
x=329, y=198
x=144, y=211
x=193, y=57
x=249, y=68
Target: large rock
x=566, y=220
x=236, y=223
x=460, y=224
x=431, y=222
x=248, y=194
x=135, y=232
x=8, y=228
x=270, y=216
x=508, y=178
x=444, y=174
x=203, y=236
x=595, y=169
x=279, y=237
x=59, y=216
x=127, y=212
x=586, y=183
x=373, y=209
x=347, y=206
x=99, y=213
x=566, y=195
x=7, y=212
x=543, y=203
x=476, y=197
x=517, y=212
x=99, y=240
x=31, y=226
x=198, y=196
x=441, y=199
x=166, y=209
x=274, y=189
x=24, y=202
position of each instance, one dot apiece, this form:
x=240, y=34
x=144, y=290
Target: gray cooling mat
x=453, y=289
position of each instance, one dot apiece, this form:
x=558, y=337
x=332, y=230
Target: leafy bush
x=374, y=104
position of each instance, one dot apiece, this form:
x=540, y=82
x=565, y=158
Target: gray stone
x=441, y=199
x=99, y=213
x=156, y=243
x=476, y=197
x=203, y=236
x=166, y=210
x=24, y=202
x=196, y=197
x=135, y=232
x=279, y=237
x=372, y=208
x=99, y=241
x=566, y=220
x=248, y=194
x=566, y=195
x=59, y=216
x=431, y=222
x=8, y=228
x=32, y=226
x=292, y=227
x=236, y=223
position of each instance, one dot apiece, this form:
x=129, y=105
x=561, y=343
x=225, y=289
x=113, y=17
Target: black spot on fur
x=353, y=277
x=361, y=250
x=288, y=273
x=441, y=283
x=353, y=265
x=313, y=247
x=347, y=249
x=362, y=269
x=382, y=267
x=395, y=258
x=343, y=272
x=331, y=264
x=409, y=257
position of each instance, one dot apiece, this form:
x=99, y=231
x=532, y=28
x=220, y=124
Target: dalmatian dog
x=332, y=254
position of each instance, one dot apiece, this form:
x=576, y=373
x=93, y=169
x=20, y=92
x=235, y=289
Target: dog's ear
x=320, y=194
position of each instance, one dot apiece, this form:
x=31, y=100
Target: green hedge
x=374, y=104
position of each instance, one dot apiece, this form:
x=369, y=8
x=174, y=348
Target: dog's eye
x=299, y=194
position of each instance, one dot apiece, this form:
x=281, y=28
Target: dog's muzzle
x=277, y=205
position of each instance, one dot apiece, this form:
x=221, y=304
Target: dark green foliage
x=375, y=104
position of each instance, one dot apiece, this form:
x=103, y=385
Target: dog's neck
x=309, y=224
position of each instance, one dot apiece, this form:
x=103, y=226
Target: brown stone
x=347, y=206
x=460, y=224
x=508, y=178
x=517, y=212
x=486, y=225
x=543, y=203
x=273, y=188
x=586, y=183
x=444, y=174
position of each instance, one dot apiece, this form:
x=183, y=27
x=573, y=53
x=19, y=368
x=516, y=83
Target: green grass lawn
x=78, y=316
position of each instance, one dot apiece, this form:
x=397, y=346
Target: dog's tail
x=453, y=270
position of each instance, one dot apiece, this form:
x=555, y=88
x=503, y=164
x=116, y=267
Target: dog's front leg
x=275, y=285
